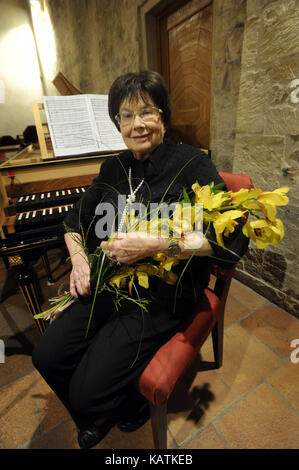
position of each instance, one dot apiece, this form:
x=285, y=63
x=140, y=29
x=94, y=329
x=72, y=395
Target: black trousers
x=93, y=376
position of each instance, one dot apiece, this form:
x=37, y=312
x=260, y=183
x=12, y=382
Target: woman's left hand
x=133, y=246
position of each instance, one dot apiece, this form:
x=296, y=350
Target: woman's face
x=141, y=137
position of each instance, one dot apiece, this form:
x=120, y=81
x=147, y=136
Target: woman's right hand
x=80, y=278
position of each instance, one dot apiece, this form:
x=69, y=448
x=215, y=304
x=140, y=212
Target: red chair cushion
x=235, y=181
x=173, y=358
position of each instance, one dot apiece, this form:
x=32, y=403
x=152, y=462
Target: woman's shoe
x=135, y=422
x=91, y=436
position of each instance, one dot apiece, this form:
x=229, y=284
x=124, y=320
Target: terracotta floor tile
x=262, y=420
x=246, y=361
x=14, y=316
x=206, y=351
x=274, y=327
x=15, y=367
x=18, y=351
x=19, y=420
x=286, y=381
x=234, y=310
x=52, y=411
x=196, y=401
x=140, y=439
x=206, y=439
x=248, y=297
x=63, y=436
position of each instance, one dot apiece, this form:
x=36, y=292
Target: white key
x=49, y=195
x=59, y=209
x=51, y=211
x=77, y=191
x=44, y=212
x=27, y=215
x=83, y=190
x=69, y=191
x=42, y=196
x=27, y=198
x=20, y=216
x=34, y=214
x=33, y=197
x=66, y=208
x=57, y=193
x=63, y=193
x=21, y=199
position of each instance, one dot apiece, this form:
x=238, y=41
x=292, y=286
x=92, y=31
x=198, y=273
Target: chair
x=172, y=360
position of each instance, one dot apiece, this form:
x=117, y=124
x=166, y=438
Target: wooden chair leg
x=217, y=337
x=159, y=425
x=221, y=290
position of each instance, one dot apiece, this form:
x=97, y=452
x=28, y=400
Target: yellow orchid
x=169, y=277
x=209, y=217
x=136, y=224
x=246, y=198
x=186, y=218
x=264, y=232
x=225, y=224
x=165, y=262
x=120, y=278
x=209, y=200
x=142, y=279
x=269, y=201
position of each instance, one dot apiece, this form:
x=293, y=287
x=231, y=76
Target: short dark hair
x=135, y=85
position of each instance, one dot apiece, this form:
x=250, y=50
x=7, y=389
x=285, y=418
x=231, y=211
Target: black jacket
x=169, y=169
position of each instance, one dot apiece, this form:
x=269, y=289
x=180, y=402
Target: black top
x=169, y=169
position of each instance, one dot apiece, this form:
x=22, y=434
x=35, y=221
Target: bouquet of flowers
x=221, y=209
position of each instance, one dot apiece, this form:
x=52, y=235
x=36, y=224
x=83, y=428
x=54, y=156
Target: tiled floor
x=252, y=402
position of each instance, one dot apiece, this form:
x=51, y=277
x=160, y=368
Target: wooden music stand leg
x=27, y=282
x=47, y=268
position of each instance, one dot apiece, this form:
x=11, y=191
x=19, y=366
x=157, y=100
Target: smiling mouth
x=141, y=137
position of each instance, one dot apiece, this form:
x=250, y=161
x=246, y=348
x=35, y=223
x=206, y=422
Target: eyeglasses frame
x=117, y=116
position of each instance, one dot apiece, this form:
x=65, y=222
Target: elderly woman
x=94, y=375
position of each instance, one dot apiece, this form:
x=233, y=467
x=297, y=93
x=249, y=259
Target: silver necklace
x=131, y=198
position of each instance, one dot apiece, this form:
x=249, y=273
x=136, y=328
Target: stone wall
x=228, y=29
x=96, y=40
x=267, y=138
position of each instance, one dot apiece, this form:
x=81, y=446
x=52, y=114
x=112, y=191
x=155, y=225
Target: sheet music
x=80, y=124
x=107, y=133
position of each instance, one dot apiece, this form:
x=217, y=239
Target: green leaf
x=216, y=188
x=186, y=198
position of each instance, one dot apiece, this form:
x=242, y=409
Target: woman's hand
x=80, y=278
x=80, y=274
x=133, y=246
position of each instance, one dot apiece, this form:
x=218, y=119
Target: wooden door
x=186, y=51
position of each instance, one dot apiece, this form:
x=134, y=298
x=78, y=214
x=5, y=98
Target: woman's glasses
x=147, y=115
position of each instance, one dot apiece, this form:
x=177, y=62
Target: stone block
x=250, y=115
x=250, y=42
x=233, y=44
x=279, y=36
x=260, y=157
